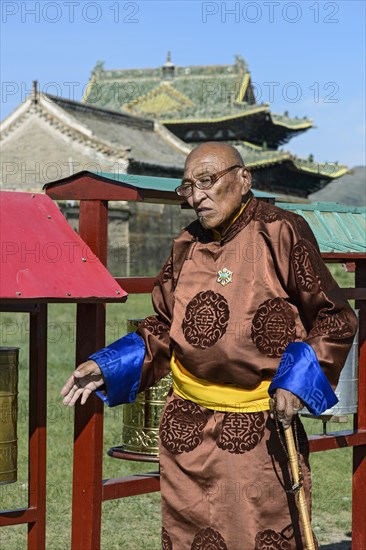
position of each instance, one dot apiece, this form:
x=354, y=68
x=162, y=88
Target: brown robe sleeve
x=155, y=329
x=330, y=322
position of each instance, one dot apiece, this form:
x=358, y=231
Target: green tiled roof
x=289, y=122
x=203, y=92
x=337, y=228
x=330, y=169
x=255, y=156
x=158, y=184
x=142, y=182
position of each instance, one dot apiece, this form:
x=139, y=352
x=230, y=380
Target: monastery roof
x=255, y=156
x=139, y=134
x=144, y=142
x=176, y=94
x=113, y=134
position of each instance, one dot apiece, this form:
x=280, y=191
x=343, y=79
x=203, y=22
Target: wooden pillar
x=88, y=429
x=37, y=427
x=359, y=453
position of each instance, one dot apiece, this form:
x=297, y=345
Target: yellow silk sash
x=218, y=397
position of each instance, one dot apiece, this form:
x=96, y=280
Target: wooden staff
x=299, y=491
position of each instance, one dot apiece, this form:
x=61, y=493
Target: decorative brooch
x=225, y=276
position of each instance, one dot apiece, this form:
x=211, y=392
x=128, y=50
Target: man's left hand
x=287, y=405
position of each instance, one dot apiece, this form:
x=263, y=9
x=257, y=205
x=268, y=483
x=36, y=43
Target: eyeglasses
x=204, y=182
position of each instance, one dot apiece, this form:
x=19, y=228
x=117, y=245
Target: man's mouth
x=202, y=212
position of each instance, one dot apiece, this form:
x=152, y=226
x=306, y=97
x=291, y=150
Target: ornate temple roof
x=192, y=95
x=49, y=131
x=255, y=156
x=66, y=131
x=141, y=136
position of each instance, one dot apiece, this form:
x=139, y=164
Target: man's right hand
x=83, y=381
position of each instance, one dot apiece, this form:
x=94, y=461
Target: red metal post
x=18, y=516
x=337, y=440
x=136, y=285
x=138, y=484
x=359, y=453
x=37, y=427
x=88, y=437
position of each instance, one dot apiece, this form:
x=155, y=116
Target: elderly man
x=244, y=291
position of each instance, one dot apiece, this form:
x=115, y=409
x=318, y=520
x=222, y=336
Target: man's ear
x=246, y=180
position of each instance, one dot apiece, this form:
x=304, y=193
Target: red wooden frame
x=35, y=514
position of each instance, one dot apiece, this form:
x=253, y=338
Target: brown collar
x=241, y=221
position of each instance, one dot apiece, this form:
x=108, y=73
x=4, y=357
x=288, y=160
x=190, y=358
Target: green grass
x=132, y=523
x=332, y=485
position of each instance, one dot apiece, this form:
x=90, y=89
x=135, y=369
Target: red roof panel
x=44, y=259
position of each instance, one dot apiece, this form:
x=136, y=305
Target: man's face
x=214, y=207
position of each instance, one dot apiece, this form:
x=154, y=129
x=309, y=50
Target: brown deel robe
x=224, y=475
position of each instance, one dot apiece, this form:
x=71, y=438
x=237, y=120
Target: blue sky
x=305, y=57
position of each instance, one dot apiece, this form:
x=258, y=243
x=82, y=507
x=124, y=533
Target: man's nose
x=197, y=195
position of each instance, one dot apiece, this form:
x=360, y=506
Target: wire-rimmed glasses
x=204, y=182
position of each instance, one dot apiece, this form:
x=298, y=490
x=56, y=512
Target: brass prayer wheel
x=9, y=412
x=141, y=419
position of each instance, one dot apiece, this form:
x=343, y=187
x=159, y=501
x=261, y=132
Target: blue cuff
x=300, y=373
x=121, y=366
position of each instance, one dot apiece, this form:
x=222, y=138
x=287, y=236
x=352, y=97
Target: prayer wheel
x=8, y=411
x=141, y=419
x=347, y=387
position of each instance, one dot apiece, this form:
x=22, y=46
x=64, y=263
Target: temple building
x=218, y=103
x=146, y=122
x=47, y=138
